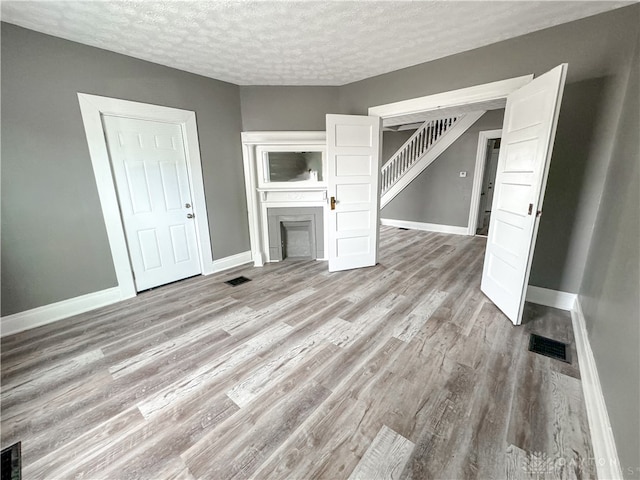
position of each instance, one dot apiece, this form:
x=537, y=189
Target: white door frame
x=487, y=92
x=481, y=160
x=93, y=107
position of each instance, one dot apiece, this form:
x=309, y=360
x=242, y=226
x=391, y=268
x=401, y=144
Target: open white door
x=529, y=129
x=353, y=157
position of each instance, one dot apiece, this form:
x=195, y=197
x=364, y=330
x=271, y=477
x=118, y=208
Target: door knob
x=190, y=215
x=187, y=205
x=333, y=203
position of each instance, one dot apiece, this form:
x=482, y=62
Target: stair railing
x=413, y=149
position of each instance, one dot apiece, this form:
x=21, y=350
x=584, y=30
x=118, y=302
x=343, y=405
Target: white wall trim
x=551, y=298
x=231, y=261
x=478, y=175
x=92, y=108
x=53, y=312
x=454, y=98
x=604, y=445
x=427, y=227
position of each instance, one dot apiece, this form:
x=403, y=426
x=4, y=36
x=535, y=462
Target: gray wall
x=54, y=244
x=609, y=294
x=438, y=194
x=287, y=108
x=562, y=229
x=392, y=141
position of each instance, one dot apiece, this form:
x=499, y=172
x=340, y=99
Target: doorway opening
x=530, y=121
x=492, y=151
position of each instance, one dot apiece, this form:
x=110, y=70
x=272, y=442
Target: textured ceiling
x=292, y=42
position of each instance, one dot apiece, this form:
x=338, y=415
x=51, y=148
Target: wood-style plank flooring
x=403, y=370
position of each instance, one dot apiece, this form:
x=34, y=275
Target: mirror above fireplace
x=290, y=166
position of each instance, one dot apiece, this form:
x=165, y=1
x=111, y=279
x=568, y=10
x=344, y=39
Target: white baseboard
x=53, y=312
x=37, y=317
x=551, y=298
x=427, y=227
x=604, y=446
x=231, y=262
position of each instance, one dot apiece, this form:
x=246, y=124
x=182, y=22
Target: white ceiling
x=292, y=42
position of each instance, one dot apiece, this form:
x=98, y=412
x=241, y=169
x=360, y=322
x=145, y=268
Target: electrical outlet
x=463, y=174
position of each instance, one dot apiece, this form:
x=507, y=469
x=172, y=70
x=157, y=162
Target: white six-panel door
x=150, y=173
x=353, y=159
x=528, y=134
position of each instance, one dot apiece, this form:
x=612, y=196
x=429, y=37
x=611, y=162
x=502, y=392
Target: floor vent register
x=234, y=282
x=549, y=348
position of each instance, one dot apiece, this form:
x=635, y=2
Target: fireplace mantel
x=293, y=195
x=265, y=190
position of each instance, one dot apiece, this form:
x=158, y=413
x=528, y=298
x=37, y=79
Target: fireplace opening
x=297, y=240
x=295, y=233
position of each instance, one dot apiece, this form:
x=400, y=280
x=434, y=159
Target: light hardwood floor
x=403, y=370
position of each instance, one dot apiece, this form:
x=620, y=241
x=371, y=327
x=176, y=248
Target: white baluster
x=412, y=153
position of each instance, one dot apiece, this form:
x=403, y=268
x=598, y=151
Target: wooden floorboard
x=402, y=370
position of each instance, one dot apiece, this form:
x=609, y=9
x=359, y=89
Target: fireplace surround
x=285, y=183
x=295, y=232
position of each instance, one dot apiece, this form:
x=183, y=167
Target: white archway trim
x=487, y=92
x=478, y=175
x=93, y=107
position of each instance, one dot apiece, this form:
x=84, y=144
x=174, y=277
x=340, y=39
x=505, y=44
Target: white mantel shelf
x=300, y=194
x=283, y=138
x=322, y=188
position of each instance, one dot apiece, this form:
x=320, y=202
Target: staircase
x=420, y=151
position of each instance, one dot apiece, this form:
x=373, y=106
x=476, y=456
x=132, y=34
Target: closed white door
x=150, y=172
x=353, y=159
x=528, y=133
